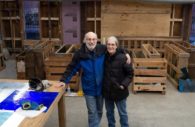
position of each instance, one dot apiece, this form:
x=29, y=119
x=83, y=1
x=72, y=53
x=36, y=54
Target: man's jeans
x=121, y=106
x=95, y=107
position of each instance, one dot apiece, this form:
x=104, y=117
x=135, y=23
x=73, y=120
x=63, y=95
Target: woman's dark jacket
x=116, y=72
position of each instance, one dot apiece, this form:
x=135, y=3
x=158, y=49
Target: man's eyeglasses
x=91, y=39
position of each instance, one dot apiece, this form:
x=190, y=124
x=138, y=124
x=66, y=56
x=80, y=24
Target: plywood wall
x=124, y=18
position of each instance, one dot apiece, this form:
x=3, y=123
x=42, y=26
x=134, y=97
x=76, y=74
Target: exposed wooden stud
x=11, y=18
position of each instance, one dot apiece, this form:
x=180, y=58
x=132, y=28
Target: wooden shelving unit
x=12, y=24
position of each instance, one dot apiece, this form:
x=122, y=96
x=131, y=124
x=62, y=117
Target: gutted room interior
x=39, y=39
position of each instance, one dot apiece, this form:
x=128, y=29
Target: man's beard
x=90, y=47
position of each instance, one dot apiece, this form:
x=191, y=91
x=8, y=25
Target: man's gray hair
x=113, y=38
x=86, y=35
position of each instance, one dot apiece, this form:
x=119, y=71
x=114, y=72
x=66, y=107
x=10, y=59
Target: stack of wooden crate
x=176, y=59
x=149, y=72
x=56, y=64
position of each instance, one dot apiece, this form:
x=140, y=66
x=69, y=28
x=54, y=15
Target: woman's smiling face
x=111, y=46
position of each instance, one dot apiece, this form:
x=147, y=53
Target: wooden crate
x=30, y=44
x=67, y=50
x=176, y=59
x=30, y=63
x=191, y=50
x=20, y=58
x=137, y=54
x=56, y=64
x=64, y=49
x=46, y=48
x=149, y=51
x=149, y=74
x=135, y=43
x=35, y=59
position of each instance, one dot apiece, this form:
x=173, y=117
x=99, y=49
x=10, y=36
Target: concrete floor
x=174, y=109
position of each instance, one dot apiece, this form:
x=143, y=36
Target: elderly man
x=90, y=58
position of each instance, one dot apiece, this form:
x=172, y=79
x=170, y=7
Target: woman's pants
x=121, y=106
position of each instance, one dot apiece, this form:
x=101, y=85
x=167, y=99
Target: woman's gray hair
x=113, y=38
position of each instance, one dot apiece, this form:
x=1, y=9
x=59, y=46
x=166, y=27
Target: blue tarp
x=13, y=101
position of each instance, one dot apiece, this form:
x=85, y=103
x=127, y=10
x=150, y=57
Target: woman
x=117, y=77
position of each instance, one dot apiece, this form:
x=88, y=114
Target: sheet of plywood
x=116, y=6
x=135, y=19
x=135, y=25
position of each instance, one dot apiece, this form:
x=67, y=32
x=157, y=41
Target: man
x=90, y=59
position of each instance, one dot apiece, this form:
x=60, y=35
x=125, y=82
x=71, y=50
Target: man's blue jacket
x=92, y=65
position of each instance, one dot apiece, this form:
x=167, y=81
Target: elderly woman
x=117, y=77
